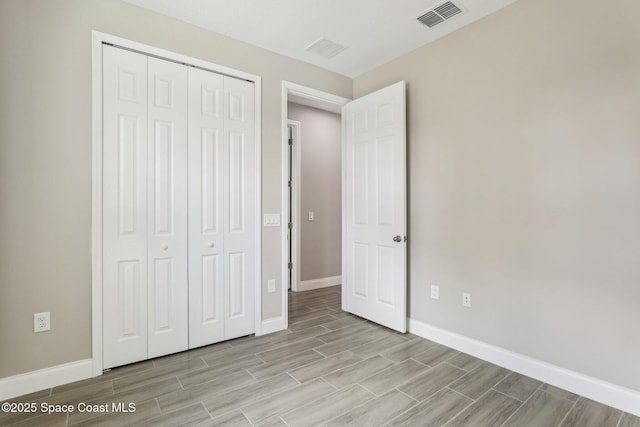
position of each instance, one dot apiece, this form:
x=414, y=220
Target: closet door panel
x=239, y=207
x=206, y=201
x=167, y=208
x=124, y=207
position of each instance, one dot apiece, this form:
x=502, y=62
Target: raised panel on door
x=167, y=208
x=375, y=202
x=206, y=207
x=239, y=207
x=124, y=207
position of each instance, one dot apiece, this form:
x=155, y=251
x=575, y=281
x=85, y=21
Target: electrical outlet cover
x=41, y=322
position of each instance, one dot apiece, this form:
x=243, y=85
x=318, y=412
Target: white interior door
x=374, y=202
x=206, y=250
x=167, y=213
x=124, y=207
x=239, y=207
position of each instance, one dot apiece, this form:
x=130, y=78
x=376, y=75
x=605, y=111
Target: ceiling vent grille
x=325, y=48
x=440, y=14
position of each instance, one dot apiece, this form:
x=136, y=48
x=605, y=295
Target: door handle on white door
x=397, y=239
x=211, y=244
x=164, y=247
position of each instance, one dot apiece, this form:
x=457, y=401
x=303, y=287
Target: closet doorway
x=176, y=203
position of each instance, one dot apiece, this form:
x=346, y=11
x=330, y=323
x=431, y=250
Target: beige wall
x=320, y=191
x=524, y=176
x=45, y=160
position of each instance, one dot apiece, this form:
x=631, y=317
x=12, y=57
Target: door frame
x=97, y=40
x=313, y=98
x=294, y=235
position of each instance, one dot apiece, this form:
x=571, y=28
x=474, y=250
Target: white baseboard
x=272, y=325
x=325, y=282
x=610, y=394
x=30, y=382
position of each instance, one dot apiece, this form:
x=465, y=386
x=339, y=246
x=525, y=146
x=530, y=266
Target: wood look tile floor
x=329, y=368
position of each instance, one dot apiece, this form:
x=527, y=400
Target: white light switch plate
x=271, y=285
x=271, y=220
x=311, y=215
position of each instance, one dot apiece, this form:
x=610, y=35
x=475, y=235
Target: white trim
x=601, y=391
x=324, y=282
x=273, y=325
x=41, y=379
x=295, y=203
x=96, y=225
x=318, y=96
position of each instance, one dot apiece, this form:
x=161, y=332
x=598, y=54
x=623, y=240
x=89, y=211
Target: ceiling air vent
x=325, y=48
x=440, y=14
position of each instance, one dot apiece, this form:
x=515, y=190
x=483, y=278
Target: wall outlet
x=311, y=215
x=271, y=285
x=435, y=292
x=41, y=322
x=466, y=299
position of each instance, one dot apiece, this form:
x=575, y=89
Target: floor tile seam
x=243, y=414
x=558, y=396
x=288, y=371
x=467, y=406
x=353, y=408
x=505, y=394
x=568, y=412
x=524, y=402
x=330, y=394
x=469, y=397
x=290, y=343
x=231, y=389
x=395, y=365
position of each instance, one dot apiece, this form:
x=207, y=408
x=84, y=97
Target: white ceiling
x=374, y=31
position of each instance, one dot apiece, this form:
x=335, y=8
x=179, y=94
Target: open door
x=374, y=204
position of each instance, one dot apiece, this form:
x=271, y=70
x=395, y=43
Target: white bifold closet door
x=124, y=207
x=221, y=207
x=178, y=210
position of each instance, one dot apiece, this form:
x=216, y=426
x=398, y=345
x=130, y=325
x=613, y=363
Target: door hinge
x=290, y=265
x=290, y=141
x=289, y=183
x=290, y=226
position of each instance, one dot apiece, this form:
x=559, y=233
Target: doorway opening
x=303, y=257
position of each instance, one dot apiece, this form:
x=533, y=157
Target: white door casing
x=167, y=208
x=206, y=222
x=124, y=207
x=374, y=206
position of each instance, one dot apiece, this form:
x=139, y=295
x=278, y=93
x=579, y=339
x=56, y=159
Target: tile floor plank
x=492, y=409
x=325, y=366
x=435, y=411
x=542, y=410
x=327, y=407
x=393, y=376
x=285, y=401
x=587, y=413
x=430, y=382
x=475, y=383
x=358, y=372
x=518, y=386
x=376, y=412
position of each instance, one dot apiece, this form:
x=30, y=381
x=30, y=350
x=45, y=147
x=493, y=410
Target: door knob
x=397, y=239
x=164, y=247
x=211, y=244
